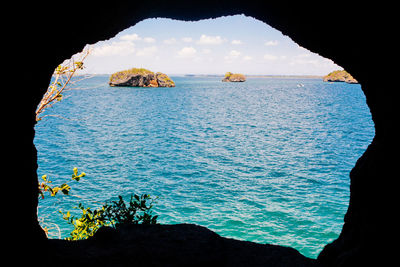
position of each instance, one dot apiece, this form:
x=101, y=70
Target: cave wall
x=356, y=37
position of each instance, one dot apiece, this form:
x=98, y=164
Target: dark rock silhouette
x=363, y=48
x=172, y=245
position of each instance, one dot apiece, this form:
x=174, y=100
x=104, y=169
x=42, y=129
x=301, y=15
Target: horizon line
x=222, y=75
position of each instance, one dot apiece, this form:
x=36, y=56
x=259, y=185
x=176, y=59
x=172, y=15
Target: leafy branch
x=64, y=188
x=62, y=78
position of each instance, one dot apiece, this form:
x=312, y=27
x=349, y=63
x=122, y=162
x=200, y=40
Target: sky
x=237, y=44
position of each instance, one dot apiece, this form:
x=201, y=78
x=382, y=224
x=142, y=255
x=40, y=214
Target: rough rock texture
x=234, y=77
x=339, y=76
x=163, y=80
x=143, y=79
x=171, y=245
x=364, y=50
x=134, y=80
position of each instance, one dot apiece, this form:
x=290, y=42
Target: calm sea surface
x=267, y=160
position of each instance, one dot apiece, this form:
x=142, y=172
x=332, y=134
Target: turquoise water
x=264, y=161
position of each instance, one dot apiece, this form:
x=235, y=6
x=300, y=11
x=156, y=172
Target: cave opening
x=294, y=131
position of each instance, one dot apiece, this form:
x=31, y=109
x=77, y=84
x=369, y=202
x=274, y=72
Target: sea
x=266, y=160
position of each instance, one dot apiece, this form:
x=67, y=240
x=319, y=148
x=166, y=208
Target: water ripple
x=263, y=161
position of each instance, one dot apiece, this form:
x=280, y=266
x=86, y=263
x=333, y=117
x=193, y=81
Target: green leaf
x=54, y=190
x=79, y=64
x=65, y=189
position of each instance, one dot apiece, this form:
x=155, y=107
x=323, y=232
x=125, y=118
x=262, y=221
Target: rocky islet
x=234, y=77
x=339, y=76
x=139, y=77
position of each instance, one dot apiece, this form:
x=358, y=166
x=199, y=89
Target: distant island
x=139, y=77
x=234, y=77
x=339, y=76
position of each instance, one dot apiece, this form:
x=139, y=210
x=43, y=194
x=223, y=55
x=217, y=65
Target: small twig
x=63, y=77
x=58, y=116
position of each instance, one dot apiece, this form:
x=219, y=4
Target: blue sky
x=214, y=46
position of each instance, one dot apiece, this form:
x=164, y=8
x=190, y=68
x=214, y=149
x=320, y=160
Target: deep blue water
x=264, y=161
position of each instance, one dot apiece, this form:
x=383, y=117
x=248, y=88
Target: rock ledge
x=169, y=245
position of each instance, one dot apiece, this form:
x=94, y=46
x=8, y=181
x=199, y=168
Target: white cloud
x=304, y=62
x=149, y=40
x=170, y=41
x=270, y=57
x=187, y=52
x=210, y=40
x=135, y=37
x=247, y=58
x=187, y=39
x=305, y=59
x=305, y=55
x=271, y=43
x=236, y=42
x=147, y=51
x=121, y=48
x=130, y=37
x=206, y=51
x=233, y=54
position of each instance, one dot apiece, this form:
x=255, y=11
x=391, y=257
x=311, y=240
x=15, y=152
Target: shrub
x=87, y=225
x=228, y=74
x=125, y=73
x=138, y=211
x=115, y=213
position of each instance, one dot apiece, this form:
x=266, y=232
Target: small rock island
x=339, y=76
x=139, y=77
x=234, y=77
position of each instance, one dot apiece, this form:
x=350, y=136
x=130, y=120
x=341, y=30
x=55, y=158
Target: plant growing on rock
x=125, y=73
x=139, y=77
x=64, y=188
x=114, y=214
x=87, y=225
x=138, y=211
x=234, y=77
